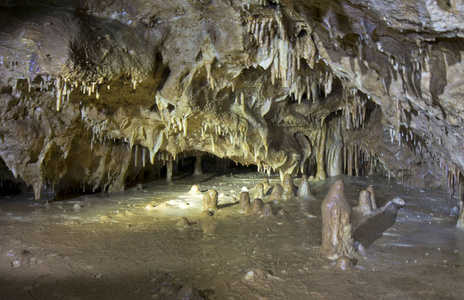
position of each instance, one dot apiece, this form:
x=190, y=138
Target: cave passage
x=186, y=148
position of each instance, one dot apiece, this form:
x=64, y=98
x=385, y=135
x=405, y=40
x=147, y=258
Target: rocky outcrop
x=93, y=93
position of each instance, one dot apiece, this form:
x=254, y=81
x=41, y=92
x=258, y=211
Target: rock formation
x=244, y=204
x=258, y=190
x=276, y=192
x=257, y=206
x=337, y=239
x=93, y=94
x=304, y=189
x=194, y=190
x=460, y=223
x=288, y=187
x=370, y=189
x=210, y=201
x=265, y=183
x=364, y=203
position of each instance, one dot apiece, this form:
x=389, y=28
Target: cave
x=231, y=149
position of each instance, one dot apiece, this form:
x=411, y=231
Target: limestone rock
x=244, y=204
x=267, y=210
x=304, y=189
x=288, y=187
x=364, y=203
x=460, y=223
x=210, y=201
x=337, y=239
x=344, y=263
x=277, y=192
x=258, y=190
x=370, y=189
x=257, y=206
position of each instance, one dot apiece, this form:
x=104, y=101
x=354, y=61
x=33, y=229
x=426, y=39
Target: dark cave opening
x=9, y=185
x=184, y=166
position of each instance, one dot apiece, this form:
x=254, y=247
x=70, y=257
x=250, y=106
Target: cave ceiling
x=93, y=92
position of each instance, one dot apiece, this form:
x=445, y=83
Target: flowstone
x=337, y=239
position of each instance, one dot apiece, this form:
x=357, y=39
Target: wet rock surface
x=146, y=255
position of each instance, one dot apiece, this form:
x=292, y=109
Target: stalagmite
x=257, y=206
x=337, y=237
x=194, y=190
x=244, y=205
x=277, y=192
x=258, y=190
x=460, y=223
x=304, y=189
x=364, y=203
x=267, y=210
x=288, y=187
x=370, y=189
x=198, y=165
x=210, y=201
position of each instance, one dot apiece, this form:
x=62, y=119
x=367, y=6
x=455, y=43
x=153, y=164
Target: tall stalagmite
x=337, y=239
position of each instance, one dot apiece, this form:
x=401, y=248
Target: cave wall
x=92, y=91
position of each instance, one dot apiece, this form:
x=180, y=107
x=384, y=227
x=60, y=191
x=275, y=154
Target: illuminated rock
x=210, y=201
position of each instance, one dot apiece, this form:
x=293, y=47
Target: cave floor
x=130, y=245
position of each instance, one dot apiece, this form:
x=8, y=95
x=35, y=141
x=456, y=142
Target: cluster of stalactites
x=284, y=51
x=354, y=112
x=62, y=87
x=454, y=178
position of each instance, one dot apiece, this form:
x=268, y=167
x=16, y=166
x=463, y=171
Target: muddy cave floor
x=131, y=245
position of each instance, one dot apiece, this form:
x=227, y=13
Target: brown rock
x=244, y=205
x=288, y=187
x=210, y=200
x=277, y=192
x=257, y=206
x=267, y=210
x=370, y=189
x=304, y=189
x=337, y=237
x=344, y=263
x=364, y=203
